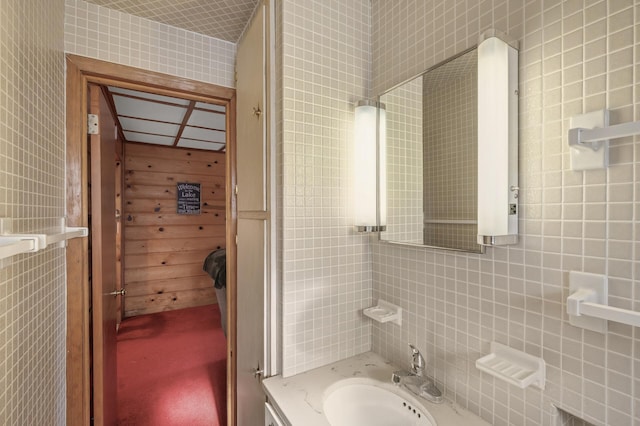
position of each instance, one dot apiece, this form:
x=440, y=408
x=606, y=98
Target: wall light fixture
x=370, y=169
x=497, y=140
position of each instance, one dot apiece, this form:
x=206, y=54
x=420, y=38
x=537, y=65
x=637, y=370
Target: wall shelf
x=13, y=244
x=10, y=246
x=513, y=366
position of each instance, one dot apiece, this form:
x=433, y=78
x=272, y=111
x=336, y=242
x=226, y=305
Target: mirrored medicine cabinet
x=450, y=158
x=431, y=157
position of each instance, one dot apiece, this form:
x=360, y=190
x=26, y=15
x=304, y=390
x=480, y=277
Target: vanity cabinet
x=271, y=418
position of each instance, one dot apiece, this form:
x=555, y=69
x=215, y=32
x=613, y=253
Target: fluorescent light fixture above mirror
x=497, y=140
x=370, y=167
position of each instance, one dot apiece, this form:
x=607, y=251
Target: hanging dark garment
x=215, y=264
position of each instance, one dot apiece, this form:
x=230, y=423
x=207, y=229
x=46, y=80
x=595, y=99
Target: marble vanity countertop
x=299, y=398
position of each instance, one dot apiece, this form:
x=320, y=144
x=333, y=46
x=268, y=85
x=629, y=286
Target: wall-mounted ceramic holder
x=385, y=312
x=589, y=136
x=586, y=287
x=587, y=156
x=588, y=305
x=513, y=366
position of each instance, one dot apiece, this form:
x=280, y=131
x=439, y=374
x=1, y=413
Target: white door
x=254, y=222
x=250, y=322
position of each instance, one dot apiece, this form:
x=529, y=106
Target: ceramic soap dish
x=384, y=312
x=513, y=366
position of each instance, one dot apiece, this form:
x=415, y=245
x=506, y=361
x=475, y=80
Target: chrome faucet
x=417, y=361
x=414, y=378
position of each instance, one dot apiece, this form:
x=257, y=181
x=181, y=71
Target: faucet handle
x=395, y=378
x=417, y=361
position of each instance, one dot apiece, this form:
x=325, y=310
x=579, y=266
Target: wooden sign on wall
x=188, y=198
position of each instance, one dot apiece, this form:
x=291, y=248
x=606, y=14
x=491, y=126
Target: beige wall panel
x=160, y=178
x=169, y=285
x=216, y=218
x=178, y=244
x=168, y=191
x=169, y=206
x=164, y=251
x=174, y=231
x=167, y=258
x=132, y=275
x=140, y=305
x=152, y=164
x=142, y=150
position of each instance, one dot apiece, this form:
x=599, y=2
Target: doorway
x=80, y=72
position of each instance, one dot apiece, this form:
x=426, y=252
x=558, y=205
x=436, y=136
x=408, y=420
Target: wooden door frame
x=80, y=72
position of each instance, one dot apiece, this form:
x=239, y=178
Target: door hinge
x=93, y=124
x=258, y=373
x=236, y=239
x=236, y=189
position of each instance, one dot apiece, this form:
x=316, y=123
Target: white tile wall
x=110, y=35
x=324, y=51
x=575, y=57
x=32, y=176
x=219, y=19
x=404, y=163
x=450, y=154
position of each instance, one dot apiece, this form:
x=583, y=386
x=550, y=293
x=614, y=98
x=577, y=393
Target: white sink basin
x=356, y=402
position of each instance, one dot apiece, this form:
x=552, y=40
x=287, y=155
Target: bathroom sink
x=354, y=402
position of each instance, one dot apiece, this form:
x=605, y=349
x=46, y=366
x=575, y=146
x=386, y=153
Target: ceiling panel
x=151, y=96
x=131, y=107
x=152, y=139
x=207, y=119
x=221, y=19
x=146, y=126
x=190, y=143
x=156, y=119
x=203, y=134
x=211, y=107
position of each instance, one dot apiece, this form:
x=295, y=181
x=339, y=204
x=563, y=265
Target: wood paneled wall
x=164, y=251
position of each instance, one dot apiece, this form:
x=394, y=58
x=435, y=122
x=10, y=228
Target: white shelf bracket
x=589, y=136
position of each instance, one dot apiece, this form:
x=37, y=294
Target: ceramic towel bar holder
x=588, y=303
x=589, y=136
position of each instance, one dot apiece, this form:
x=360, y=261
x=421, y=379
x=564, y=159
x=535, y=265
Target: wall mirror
x=431, y=157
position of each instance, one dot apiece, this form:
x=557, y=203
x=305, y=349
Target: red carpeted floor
x=172, y=369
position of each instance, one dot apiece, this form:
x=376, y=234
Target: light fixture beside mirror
x=369, y=166
x=497, y=140
x=450, y=163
